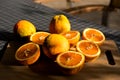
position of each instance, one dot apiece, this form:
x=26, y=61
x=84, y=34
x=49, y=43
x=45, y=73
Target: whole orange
x=59, y=24
x=24, y=28
x=54, y=44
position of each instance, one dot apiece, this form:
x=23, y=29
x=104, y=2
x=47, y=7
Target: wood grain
x=99, y=69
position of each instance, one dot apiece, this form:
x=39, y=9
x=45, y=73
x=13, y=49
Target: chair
x=112, y=6
x=106, y=10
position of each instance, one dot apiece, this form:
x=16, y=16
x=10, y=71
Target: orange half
x=93, y=35
x=39, y=37
x=72, y=36
x=70, y=59
x=28, y=53
x=89, y=49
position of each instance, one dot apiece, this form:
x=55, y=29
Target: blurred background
x=105, y=12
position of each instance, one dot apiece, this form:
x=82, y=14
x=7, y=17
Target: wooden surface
x=46, y=69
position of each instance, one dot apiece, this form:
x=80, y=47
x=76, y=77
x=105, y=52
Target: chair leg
x=69, y=3
x=105, y=17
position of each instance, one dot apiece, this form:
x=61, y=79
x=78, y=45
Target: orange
x=24, y=28
x=94, y=35
x=28, y=53
x=59, y=24
x=39, y=37
x=70, y=62
x=89, y=49
x=72, y=36
x=55, y=44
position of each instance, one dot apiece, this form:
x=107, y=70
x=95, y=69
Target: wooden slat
x=98, y=69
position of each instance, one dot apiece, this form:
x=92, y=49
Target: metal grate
x=13, y=10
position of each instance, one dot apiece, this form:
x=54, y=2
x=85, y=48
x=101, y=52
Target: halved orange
x=89, y=49
x=94, y=35
x=72, y=36
x=71, y=62
x=28, y=53
x=39, y=37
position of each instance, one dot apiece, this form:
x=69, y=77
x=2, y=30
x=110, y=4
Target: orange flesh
x=39, y=38
x=88, y=48
x=70, y=59
x=70, y=35
x=94, y=35
x=26, y=51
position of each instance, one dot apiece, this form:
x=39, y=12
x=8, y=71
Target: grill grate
x=13, y=10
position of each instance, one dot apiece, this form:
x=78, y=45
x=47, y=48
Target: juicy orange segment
x=72, y=36
x=70, y=59
x=39, y=37
x=89, y=49
x=94, y=35
x=70, y=62
x=28, y=53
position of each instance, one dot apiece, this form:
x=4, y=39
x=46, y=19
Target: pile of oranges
x=68, y=48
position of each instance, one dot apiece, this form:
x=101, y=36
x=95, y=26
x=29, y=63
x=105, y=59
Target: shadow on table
x=6, y=36
x=44, y=66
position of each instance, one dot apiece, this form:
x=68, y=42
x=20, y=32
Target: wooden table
x=13, y=10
